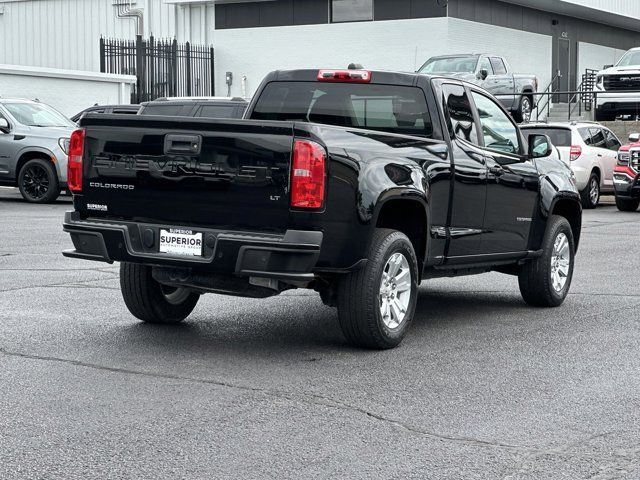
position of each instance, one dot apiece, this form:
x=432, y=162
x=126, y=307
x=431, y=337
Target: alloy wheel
x=594, y=191
x=395, y=290
x=560, y=262
x=35, y=182
x=526, y=110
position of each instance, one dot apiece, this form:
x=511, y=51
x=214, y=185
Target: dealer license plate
x=178, y=241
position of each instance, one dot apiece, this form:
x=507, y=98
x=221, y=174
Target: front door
x=512, y=182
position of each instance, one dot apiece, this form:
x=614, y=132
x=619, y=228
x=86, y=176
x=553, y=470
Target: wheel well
x=25, y=157
x=596, y=170
x=570, y=210
x=410, y=218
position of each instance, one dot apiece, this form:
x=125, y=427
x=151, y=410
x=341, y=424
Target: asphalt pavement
x=482, y=387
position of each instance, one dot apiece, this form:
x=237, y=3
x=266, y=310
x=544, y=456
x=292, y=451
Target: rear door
x=613, y=145
x=606, y=158
x=512, y=182
x=501, y=84
x=470, y=174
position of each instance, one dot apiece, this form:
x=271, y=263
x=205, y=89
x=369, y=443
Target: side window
x=498, y=131
x=586, y=135
x=597, y=136
x=217, y=111
x=461, y=121
x=498, y=66
x=485, y=64
x=612, y=141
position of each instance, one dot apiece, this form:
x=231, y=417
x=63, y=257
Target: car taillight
x=575, y=152
x=308, y=174
x=348, y=76
x=74, y=164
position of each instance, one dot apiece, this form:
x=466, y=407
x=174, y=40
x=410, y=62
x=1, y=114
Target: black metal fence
x=164, y=68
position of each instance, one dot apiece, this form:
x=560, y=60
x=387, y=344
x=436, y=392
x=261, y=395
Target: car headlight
x=64, y=145
x=600, y=82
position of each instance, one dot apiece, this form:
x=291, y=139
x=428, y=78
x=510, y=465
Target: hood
x=632, y=69
x=50, y=132
x=459, y=75
x=629, y=146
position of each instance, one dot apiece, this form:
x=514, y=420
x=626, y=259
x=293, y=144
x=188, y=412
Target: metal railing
x=164, y=68
x=591, y=95
x=547, y=90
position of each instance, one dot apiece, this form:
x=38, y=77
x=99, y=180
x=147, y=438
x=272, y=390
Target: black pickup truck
x=354, y=183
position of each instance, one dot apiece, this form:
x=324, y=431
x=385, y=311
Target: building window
x=351, y=10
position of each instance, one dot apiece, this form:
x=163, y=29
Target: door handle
x=600, y=155
x=496, y=170
x=182, y=144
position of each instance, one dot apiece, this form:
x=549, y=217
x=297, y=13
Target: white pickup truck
x=617, y=90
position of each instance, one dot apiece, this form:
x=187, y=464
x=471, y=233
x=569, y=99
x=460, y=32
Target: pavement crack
x=310, y=399
x=59, y=285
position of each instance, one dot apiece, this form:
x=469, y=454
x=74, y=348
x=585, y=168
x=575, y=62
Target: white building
x=253, y=37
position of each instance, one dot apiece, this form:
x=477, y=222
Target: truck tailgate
x=231, y=173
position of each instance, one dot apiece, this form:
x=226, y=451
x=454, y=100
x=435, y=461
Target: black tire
x=360, y=299
x=535, y=278
x=627, y=204
x=38, y=181
x=525, y=110
x=150, y=301
x=588, y=201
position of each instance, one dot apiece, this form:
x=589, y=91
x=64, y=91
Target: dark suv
x=209, y=107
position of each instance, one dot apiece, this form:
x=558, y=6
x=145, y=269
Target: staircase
x=559, y=112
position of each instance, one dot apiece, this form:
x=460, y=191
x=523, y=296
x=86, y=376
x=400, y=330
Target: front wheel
x=151, y=301
x=545, y=281
x=376, y=303
x=627, y=204
x=591, y=194
x=38, y=181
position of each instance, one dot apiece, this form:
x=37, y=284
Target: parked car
x=121, y=109
x=354, y=183
x=491, y=72
x=209, y=107
x=626, y=175
x=618, y=88
x=590, y=149
x=34, y=140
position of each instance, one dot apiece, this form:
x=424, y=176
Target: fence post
x=188, y=52
x=152, y=68
x=139, y=68
x=102, y=56
x=174, y=68
x=213, y=74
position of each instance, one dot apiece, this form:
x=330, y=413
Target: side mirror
x=539, y=146
x=607, y=66
x=4, y=125
x=634, y=138
x=483, y=74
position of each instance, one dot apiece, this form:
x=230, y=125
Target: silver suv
x=34, y=139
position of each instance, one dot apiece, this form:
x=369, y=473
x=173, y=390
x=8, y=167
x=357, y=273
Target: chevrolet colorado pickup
x=354, y=183
x=491, y=72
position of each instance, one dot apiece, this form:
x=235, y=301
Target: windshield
x=630, y=58
x=450, y=65
x=37, y=115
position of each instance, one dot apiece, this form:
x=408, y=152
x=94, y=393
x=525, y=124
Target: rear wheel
x=525, y=109
x=627, y=204
x=591, y=194
x=151, y=301
x=545, y=281
x=38, y=181
x=376, y=304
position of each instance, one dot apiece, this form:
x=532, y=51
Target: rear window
x=162, y=109
x=218, y=111
x=376, y=107
x=560, y=137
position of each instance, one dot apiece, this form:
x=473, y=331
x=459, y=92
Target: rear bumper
x=291, y=256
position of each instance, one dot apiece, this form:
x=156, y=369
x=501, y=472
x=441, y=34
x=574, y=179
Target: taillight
x=348, y=76
x=74, y=164
x=575, y=152
x=307, y=175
